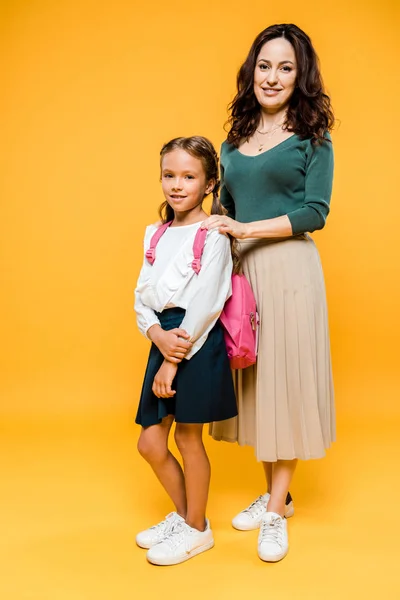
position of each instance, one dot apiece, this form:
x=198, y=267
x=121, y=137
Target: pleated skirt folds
x=285, y=401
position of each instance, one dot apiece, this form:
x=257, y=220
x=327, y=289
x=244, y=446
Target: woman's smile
x=271, y=91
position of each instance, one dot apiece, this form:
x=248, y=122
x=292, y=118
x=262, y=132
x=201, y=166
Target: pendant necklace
x=268, y=133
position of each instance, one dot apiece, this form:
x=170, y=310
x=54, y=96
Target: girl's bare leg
x=197, y=470
x=153, y=446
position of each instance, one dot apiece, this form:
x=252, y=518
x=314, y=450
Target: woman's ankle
x=276, y=506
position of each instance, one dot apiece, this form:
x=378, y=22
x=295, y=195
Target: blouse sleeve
x=318, y=189
x=226, y=199
x=212, y=289
x=145, y=316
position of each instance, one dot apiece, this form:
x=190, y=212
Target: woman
x=277, y=168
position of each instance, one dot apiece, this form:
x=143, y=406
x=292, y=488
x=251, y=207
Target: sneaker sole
x=274, y=558
x=176, y=561
x=245, y=527
x=145, y=547
x=289, y=512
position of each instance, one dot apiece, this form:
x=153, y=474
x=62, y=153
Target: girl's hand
x=226, y=225
x=163, y=380
x=169, y=343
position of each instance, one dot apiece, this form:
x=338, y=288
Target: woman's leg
x=153, y=446
x=282, y=473
x=197, y=470
x=268, y=475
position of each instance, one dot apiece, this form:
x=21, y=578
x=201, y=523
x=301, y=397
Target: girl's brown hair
x=309, y=113
x=201, y=148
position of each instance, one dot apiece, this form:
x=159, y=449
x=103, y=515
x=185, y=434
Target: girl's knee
x=152, y=448
x=188, y=437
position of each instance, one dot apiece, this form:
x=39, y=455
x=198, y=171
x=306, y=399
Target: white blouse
x=171, y=282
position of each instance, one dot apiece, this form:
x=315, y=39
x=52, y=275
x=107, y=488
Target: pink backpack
x=239, y=316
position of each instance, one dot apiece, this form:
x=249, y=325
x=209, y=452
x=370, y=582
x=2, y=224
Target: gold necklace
x=268, y=133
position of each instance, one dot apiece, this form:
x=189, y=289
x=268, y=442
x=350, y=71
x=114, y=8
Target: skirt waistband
x=171, y=317
x=264, y=241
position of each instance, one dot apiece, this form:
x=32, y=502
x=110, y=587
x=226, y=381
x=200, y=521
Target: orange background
x=90, y=92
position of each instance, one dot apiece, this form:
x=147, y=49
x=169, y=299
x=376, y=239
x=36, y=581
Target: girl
x=188, y=378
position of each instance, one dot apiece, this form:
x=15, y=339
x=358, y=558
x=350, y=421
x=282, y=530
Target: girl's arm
x=170, y=343
x=309, y=217
x=212, y=289
x=145, y=316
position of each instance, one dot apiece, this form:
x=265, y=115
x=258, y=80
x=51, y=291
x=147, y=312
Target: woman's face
x=275, y=75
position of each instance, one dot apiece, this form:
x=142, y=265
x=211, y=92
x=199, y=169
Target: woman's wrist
x=247, y=230
x=270, y=228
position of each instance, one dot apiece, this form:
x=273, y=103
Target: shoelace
x=180, y=532
x=271, y=531
x=256, y=507
x=165, y=526
x=175, y=534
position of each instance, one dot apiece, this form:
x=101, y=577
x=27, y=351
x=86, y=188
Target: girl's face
x=184, y=180
x=275, y=75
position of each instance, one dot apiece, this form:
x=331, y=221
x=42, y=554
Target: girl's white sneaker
x=251, y=517
x=180, y=544
x=154, y=535
x=273, y=543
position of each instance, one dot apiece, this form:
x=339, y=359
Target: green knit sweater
x=293, y=179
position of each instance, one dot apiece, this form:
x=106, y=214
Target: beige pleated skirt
x=285, y=401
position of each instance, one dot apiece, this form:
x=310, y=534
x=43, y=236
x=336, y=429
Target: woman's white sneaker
x=273, y=543
x=154, y=535
x=181, y=543
x=251, y=517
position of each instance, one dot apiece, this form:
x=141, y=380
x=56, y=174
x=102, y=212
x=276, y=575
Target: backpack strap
x=198, y=247
x=151, y=252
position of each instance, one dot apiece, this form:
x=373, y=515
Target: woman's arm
x=270, y=228
x=318, y=190
x=226, y=199
x=308, y=217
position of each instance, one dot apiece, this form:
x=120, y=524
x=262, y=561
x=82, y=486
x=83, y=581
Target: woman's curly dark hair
x=309, y=113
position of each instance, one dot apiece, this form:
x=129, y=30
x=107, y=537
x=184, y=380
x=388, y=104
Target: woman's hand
x=170, y=343
x=226, y=225
x=163, y=380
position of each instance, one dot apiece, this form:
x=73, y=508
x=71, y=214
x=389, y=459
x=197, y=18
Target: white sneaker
x=181, y=543
x=273, y=543
x=251, y=517
x=154, y=535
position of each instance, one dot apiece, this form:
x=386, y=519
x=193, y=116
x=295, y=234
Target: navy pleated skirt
x=203, y=384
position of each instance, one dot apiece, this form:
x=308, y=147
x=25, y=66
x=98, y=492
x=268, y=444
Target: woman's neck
x=269, y=120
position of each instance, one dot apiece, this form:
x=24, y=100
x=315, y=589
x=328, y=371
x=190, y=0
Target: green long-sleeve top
x=294, y=178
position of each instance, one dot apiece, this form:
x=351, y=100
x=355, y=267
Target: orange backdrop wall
x=90, y=91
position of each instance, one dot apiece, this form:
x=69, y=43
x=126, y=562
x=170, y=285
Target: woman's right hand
x=170, y=343
x=225, y=224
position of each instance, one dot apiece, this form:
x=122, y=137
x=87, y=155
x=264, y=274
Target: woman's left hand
x=226, y=225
